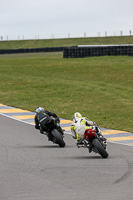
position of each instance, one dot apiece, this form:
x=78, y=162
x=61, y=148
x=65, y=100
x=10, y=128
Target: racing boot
x=47, y=134
x=79, y=143
x=44, y=132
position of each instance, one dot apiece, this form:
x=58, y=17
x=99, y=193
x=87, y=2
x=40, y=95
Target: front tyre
x=97, y=145
x=58, y=138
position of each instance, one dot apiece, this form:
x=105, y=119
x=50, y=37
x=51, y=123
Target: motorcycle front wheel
x=100, y=148
x=58, y=138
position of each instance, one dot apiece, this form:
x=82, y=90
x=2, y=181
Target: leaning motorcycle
x=95, y=142
x=55, y=133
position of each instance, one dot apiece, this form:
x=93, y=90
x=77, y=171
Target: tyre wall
x=33, y=50
x=93, y=50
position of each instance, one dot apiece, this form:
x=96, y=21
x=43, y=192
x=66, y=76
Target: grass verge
x=101, y=88
x=65, y=42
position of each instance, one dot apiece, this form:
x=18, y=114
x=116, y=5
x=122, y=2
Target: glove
x=57, y=120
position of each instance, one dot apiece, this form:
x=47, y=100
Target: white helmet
x=76, y=116
x=39, y=109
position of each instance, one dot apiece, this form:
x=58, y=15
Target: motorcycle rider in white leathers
x=79, y=125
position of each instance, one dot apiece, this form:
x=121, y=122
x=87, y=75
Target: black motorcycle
x=55, y=132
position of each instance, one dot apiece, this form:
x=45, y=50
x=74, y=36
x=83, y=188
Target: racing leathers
x=40, y=121
x=78, y=128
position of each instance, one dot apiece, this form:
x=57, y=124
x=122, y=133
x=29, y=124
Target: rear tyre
x=58, y=138
x=100, y=148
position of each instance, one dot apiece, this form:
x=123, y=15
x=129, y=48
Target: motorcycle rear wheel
x=100, y=148
x=58, y=138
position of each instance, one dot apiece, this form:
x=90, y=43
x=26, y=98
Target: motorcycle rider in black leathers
x=40, y=117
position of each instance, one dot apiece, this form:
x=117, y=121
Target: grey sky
x=30, y=19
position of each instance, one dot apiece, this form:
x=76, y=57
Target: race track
x=32, y=168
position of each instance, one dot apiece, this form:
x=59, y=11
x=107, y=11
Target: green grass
x=101, y=88
x=65, y=42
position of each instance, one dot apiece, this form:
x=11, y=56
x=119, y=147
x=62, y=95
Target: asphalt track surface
x=32, y=168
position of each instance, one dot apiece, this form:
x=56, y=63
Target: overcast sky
x=30, y=19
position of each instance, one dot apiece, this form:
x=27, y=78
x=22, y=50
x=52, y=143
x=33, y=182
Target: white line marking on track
x=16, y=119
x=25, y=121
